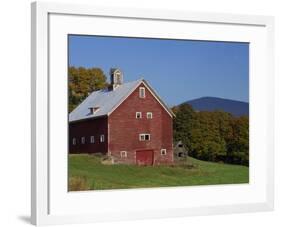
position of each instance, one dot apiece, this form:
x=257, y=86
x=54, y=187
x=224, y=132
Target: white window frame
x=92, y=139
x=140, y=114
x=163, y=151
x=102, y=139
x=149, y=114
x=74, y=141
x=143, y=135
x=123, y=154
x=142, y=95
x=83, y=140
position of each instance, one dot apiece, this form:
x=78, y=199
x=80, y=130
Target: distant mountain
x=236, y=108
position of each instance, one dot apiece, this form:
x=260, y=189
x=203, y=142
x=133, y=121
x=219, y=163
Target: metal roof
x=104, y=99
x=107, y=100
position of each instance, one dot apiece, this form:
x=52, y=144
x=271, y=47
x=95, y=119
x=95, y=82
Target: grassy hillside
x=87, y=173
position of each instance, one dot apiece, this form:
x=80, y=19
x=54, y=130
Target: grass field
x=86, y=172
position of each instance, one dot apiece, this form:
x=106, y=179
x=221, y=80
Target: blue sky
x=179, y=70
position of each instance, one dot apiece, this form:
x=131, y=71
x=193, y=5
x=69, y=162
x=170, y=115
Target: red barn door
x=144, y=157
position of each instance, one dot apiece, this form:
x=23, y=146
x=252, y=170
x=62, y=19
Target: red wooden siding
x=87, y=128
x=124, y=129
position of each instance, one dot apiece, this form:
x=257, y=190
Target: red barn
x=127, y=122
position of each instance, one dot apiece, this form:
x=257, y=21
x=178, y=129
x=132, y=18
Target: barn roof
x=107, y=100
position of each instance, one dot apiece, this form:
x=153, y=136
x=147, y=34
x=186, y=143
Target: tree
x=207, y=138
x=82, y=82
x=183, y=124
x=238, y=145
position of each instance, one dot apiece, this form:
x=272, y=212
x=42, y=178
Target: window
x=142, y=92
x=74, y=141
x=92, y=139
x=138, y=115
x=163, y=151
x=141, y=137
x=180, y=154
x=83, y=140
x=101, y=138
x=123, y=154
x=149, y=115
x=144, y=137
x=93, y=110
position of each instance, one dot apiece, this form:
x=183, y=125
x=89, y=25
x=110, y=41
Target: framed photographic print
x=149, y=114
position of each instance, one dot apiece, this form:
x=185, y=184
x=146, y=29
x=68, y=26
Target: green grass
x=97, y=176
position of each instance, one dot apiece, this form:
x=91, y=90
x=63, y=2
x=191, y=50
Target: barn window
x=92, y=139
x=142, y=92
x=144, y=137
x=101, y=138
x=123, y=154
x=138, y=115
x=163, y=151
x=149, y=115
x=83, y=140
x=74, y=141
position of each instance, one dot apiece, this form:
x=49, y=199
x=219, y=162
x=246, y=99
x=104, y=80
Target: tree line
x=212, y=136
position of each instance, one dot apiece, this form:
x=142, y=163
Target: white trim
x=149, y=113
x=92, y=139
x=123, y=154
x=145, y=83
x=102, y=138
x=163, y=152
x=73, y=141
x=142, y=92
x=140, y=114
x=144, y=134
x=83, y=140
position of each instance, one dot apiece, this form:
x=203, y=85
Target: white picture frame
x=52, y=204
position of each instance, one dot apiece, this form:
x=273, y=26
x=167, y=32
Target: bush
x=78, y=184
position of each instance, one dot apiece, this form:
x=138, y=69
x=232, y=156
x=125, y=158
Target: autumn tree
x=81, y=82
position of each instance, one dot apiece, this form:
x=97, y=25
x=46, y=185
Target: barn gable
x=104, y=102
x=154, y=94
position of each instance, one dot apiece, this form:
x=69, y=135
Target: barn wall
x=88, y=128
x=124, y=129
